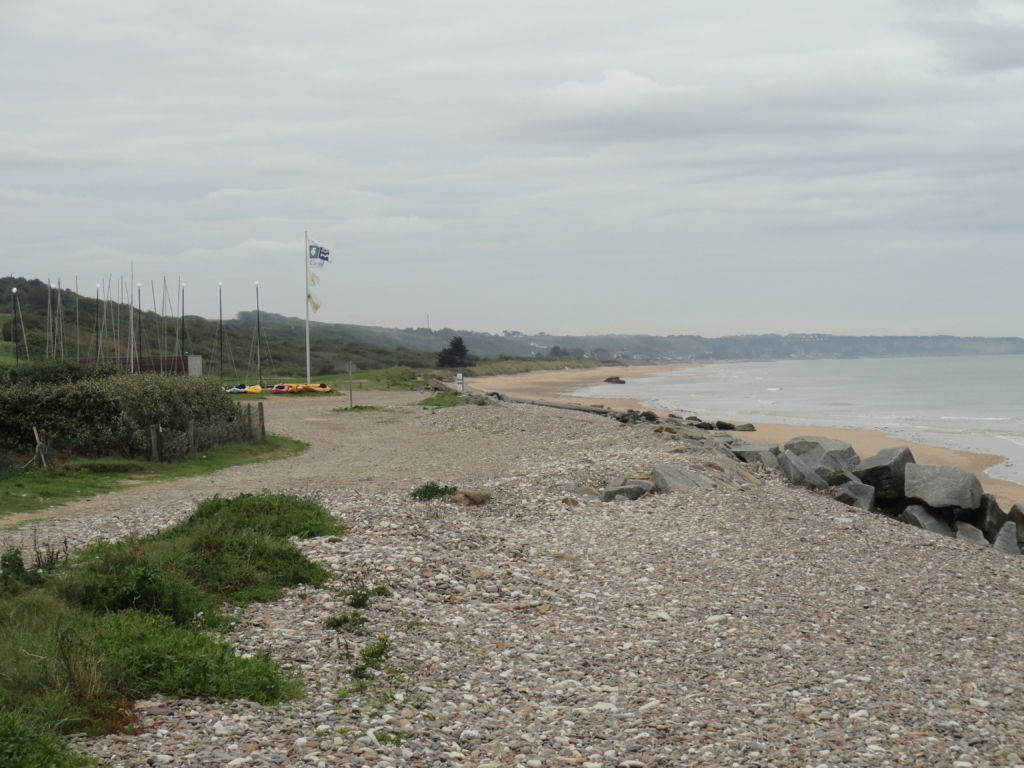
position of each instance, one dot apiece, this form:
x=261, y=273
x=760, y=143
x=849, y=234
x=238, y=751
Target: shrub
x=359, y=596
x=128, y=575
x=151, y=655
x=372, y=656
x=349, y=622
x=432, y=490
x=79, y=672
x=55, y=372
x=108, y=416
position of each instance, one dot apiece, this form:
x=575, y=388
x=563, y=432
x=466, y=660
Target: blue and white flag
x=318, y=254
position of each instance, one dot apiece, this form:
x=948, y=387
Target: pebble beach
x=767, y=626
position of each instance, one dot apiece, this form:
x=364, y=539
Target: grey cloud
x=973, y=46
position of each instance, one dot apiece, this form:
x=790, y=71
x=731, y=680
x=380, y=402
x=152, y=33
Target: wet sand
x=553, y=386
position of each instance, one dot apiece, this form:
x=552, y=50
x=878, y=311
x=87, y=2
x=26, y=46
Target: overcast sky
x=847, y=166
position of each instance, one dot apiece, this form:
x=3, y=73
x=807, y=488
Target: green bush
x=55, y=372
x=25, y=743
x=108, y=416
x=152, y=655
x=79, y=672
x=127, y=575
x=349, y=622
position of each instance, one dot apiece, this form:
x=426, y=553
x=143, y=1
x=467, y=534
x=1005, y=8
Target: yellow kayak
x=255, y=389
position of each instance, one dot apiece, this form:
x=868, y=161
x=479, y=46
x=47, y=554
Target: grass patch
x=229, y=550
x=83, y=636
x=24, y=745
x=446, y=399
x=276, y=514
x=399, y=377
x=432, y=490
x=82, y=479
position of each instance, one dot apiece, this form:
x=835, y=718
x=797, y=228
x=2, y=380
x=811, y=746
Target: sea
x=966, y=403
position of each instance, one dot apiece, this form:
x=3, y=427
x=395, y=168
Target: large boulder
x=988, y=517
x=632, y=490
x=967, y=532
x=857, y=495
x=925, y=518
x=824, y=455
x=800, y=472
x=942, y=486
x=666, y=479
x=1006, y=539
x=765, y=453
x=720, y=445
x=840, y=478
x=886, y=471
x=1016, y=514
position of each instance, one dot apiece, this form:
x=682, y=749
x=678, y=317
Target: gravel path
x=766, y=627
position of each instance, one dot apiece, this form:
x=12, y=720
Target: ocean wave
x=1015, y=439
x=774, y=389
x=979, y=418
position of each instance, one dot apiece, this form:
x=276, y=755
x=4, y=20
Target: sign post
x=350, y=367
x=458, y=382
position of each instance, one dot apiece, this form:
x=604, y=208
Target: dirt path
x=344, y=449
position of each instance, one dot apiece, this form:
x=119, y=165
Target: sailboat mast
x=259, y=367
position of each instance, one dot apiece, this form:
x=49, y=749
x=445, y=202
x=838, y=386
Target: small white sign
x=458, y=382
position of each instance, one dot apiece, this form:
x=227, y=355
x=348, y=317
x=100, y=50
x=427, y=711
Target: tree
x=454, y=355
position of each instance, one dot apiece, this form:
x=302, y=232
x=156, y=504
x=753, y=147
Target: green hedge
x=107, y=416
x=55, y=372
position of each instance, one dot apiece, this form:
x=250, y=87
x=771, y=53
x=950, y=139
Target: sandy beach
x=553, y=386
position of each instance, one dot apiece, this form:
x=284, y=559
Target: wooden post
x=154, y=438
x=263, y=423
x=248, y=421
x=192, y=450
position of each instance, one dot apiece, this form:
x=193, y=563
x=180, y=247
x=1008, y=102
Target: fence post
x=263, y=423
x=192, y=449
x=248, y=422
x=154, y=438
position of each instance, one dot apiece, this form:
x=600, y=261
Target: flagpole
x=305, y=260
